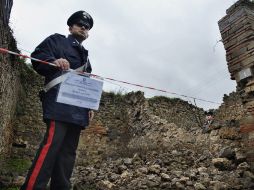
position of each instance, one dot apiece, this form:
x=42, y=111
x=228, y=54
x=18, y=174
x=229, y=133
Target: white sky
x=166, y=44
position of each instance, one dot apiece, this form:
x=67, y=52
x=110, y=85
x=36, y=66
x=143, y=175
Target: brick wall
x=237, y=31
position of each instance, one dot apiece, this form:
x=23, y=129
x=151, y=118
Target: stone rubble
x=134, y=143
x=167, y=156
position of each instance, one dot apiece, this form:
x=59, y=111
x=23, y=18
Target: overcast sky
x=166, y=44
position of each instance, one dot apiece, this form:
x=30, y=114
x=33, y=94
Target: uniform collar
x=76, y=44
x=73, y=41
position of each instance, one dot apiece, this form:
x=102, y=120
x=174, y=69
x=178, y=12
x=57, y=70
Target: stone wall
x=113, y=127
x=124, y=118
x=110, y=131
x=237, y=33
x=28, y=128
x=118, y=119
x=9, y=79
x=177, y=111
x=5, y=11
x=231, y=108
x=121, y=118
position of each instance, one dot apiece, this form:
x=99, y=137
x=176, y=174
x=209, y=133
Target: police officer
x=56, y=155
x=209, y=119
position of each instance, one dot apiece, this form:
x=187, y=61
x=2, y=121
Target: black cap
x=209, y=113
x=80, y=17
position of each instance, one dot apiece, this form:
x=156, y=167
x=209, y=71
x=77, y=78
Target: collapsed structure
x=237, y=31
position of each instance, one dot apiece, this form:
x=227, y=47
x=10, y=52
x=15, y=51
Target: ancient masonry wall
x=237, y=31
x=112, y=127
x=9, y=79
x=231, y=108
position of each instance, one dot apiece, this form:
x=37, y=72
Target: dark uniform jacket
x=54, y=47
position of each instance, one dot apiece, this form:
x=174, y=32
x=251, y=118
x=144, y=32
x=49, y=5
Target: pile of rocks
x=137, y=173
x=163, y=155
x=183, y=165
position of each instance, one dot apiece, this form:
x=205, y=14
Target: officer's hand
x=91, y=115
x=62, y=63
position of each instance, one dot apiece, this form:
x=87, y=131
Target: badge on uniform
x=79, y=90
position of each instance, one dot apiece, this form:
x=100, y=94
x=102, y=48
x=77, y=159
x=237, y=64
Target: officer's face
x=209, y=117
x=80, y=32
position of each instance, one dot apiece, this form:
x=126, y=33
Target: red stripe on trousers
x=41, y=158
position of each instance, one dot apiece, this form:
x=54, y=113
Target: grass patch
x=10, y=188
x=15, y=165
x=164, y=99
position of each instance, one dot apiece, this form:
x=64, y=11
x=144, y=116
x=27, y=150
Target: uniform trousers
x=55, y=158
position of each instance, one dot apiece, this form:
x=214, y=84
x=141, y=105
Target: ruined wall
x=26, y=130
x=6, y=6
x=237, y=33
x=177, y=111
x=28, y=123
x=122, y=116
x=112, y=128
x=9, y=78
x=231, y=108
x=119, y=117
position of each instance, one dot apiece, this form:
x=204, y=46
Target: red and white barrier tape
x=2, y=50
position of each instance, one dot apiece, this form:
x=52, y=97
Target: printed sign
x=81, y=91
